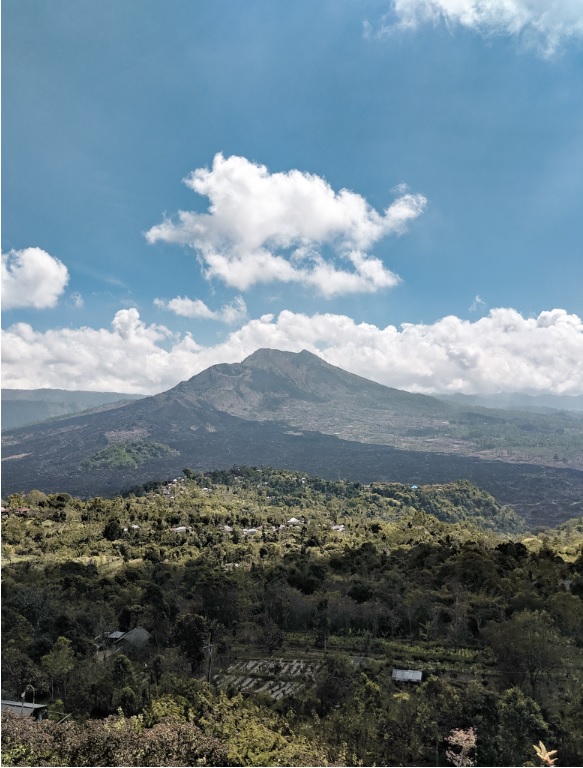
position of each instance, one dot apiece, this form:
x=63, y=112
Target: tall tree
x=520, y=725
x=58, y=663
x=192, y=635
x=528, y=647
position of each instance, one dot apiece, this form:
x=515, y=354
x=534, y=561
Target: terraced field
x=275, y=677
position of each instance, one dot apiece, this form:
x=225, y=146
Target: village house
x=113, y=642
x=26, y=709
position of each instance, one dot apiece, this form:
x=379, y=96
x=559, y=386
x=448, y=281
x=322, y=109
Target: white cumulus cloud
x=32, y=278
x=129, y=357
x=264, y=227
x=231, y=313
x=545, y=24
x=501, y=352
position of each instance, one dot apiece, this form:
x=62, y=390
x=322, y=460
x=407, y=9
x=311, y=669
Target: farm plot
x=275, y=677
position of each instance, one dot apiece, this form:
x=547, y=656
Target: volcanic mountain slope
x=303, y=391
x=291, y=411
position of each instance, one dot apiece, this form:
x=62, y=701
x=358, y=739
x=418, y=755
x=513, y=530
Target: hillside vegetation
x=126, y=454
x=277, y=606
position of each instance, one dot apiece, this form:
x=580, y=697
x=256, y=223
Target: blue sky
x=452, y=261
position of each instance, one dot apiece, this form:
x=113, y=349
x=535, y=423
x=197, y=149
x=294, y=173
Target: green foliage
x=521, y=724
x=527, y=435
x=462, y=501
x=334, y=683
x=114, y=741
x=252, y=733
x=59, y=662
x=112, y=529
x=528, y=647
x=192, y=635
x=126, y=455
x=366, y=579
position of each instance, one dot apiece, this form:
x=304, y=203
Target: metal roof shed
x=407, y=675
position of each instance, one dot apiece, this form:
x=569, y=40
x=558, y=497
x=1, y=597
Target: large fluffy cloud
x=263, y=227
x=542, y=23
x=503, y=351
x=32, y=278
x=231, y=313
x=129, y=357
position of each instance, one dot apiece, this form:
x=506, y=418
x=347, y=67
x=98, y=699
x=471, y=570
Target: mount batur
x=295, y=411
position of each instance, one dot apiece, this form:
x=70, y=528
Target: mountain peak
x=267, y=357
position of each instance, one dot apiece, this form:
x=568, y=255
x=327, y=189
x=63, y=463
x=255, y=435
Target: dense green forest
x=272, y=609
x=129, y=454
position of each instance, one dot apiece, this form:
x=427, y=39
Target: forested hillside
x=270, y=611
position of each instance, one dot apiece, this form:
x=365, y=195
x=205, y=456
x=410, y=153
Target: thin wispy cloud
x=264, y=227
x=231, y=313
x=501, y=352
x=538, y=23
x=77, y=300
x=477, y=304
x=32, y=278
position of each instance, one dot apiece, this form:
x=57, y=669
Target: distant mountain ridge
x=519, y=401
x=27, y=406
x=295, y=411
